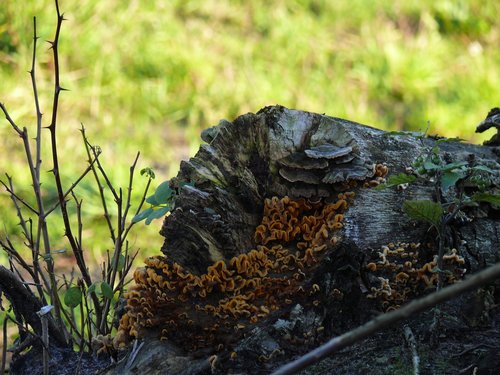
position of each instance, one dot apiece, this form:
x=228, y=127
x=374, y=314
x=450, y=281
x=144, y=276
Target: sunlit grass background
x=150, y=75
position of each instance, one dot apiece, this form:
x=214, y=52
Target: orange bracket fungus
x=403, y=273
x=290, y=240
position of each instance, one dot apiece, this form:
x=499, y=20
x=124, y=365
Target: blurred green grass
x=150, y=75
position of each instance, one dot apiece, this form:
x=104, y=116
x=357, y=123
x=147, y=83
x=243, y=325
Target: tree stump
x=279, y=241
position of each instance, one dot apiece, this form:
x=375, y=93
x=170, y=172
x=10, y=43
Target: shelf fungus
x=403, y=271
x=199, y=311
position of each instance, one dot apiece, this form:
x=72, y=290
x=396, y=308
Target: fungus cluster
x=326, y=163
x=378, y=178
x=197, y=311
x=401, y=275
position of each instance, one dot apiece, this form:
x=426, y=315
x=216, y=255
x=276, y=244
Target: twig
x=16, y=197
x=412, y=343
x=107, y=217
x=133, y=354
x=385, y=320
x=465, y=351
x=129, y=189
x=45, y=336
x=71, y=188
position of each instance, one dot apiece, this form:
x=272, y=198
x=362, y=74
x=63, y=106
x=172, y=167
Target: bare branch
x=107, y=217
x=9, y=119
x=71, y=188
x=389, y=319
x=129, y=191
x=38, y=159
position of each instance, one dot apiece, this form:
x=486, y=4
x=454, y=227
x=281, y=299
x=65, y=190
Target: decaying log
x=345, y=280
x=278, y=242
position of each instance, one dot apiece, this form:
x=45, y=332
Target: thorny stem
x=77, y=251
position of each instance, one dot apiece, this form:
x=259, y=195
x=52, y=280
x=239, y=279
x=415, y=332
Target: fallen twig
x=385, y=320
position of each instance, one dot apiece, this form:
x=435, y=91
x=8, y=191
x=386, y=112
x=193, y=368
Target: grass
x=150, y=76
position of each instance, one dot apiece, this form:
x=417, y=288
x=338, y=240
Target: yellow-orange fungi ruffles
x=403, y=275
x=196, y=311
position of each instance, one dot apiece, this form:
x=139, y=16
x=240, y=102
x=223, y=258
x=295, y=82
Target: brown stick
x=385, y=320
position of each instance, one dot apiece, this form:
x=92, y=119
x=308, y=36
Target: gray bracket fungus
x=327, y=151
x=320, y=152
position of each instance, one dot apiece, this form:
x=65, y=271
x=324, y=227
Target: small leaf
x=430, y=166
x=399, y=179
x=73, y=297
x=483, y=168
x=152, y=200
x=446, y=140
x=424, y=210
x=106, y=290
x=449, y=179
x=148, y=172
x=142, y=215
x=156, y=214
x=487, y=197
x=454, y=165
x=163, y=193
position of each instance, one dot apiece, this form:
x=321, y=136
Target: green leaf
x=142, y=215
x=446, y=140
x=483, y=168
x=152, y=200
x=106, y=290
x=399, y=179
x=73, y=297
x=148, y=172
x=449, y=179
x=430, y=166
x=156, y=214
x=424, y=210
x=487, y=197
x=163, y=193
x=454, y=165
